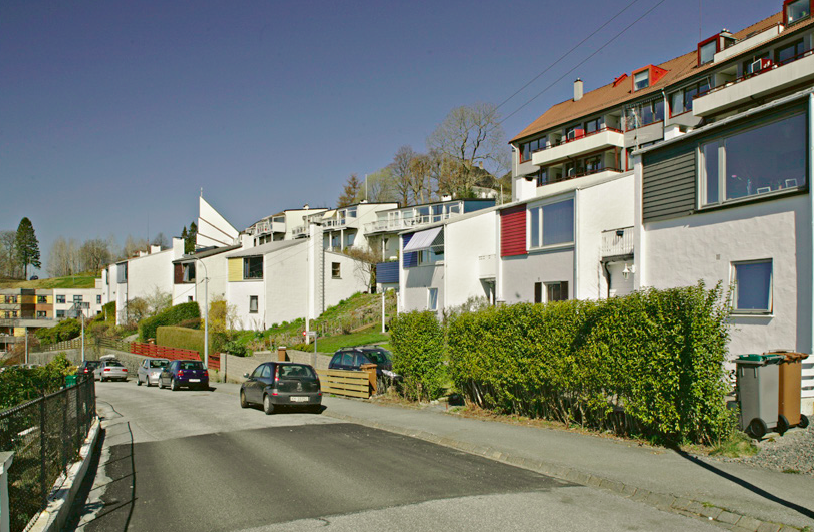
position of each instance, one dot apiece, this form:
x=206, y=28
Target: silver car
x=150, y=369
x=112, y=370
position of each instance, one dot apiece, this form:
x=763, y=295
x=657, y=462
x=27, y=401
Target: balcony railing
x=562, y=142
x=598, y=140
x=617, y=242
x=772, y=78
x=487, y=266
x=406, y=223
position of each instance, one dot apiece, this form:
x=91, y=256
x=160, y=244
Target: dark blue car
x=184, y=373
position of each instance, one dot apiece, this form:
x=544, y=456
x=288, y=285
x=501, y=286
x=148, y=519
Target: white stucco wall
x=464, y=242
x=352, y=279
x=519, y=273
x=286, y=276
x=238, y=294
x=89, y=295
x=416, y=282
x=150, y=272
x=681, y=251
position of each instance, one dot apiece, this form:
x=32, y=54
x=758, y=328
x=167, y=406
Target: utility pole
x=25, y=329
x=206, y=311
x=384, y=290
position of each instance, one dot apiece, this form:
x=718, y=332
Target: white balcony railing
x=771, y=79
x=604, y=138
x=617, y=242
x=406, y=223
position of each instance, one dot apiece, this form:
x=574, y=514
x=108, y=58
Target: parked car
x=111, y=370
x=150, y=370
x=92, y=368
x=184, y=373
x=353, y=358
x=276, y=384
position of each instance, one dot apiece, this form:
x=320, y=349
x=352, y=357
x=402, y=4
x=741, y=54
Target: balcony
x=487, y=266
x=301, y=231
x=772, y=78
x=265, y=226
x=617, y=243
x=596, y=141
x=399, y=224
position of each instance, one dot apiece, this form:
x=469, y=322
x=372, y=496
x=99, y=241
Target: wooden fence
x=171, y=353
x=348, y=383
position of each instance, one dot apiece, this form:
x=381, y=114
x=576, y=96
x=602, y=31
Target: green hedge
x=182, y=338
x=19, y=385
x=147, y=327
x=650, y=363
x=66, y=329
x=418, y=345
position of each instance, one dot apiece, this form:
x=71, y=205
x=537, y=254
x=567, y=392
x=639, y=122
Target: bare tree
x=380, y=186
x=400, y=170
x=471, y=136
x=161, y=240
x=158, y=301
x=133, y=245
x=94, y=254
x=9, y=266
x=57, y=263
x=364, y=267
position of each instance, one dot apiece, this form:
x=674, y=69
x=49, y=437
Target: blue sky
x=114, y=114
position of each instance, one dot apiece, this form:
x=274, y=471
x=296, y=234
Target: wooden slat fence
x=171, y=353
x=348, y=383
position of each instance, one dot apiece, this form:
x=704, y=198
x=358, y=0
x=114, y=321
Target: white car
x=150, y=369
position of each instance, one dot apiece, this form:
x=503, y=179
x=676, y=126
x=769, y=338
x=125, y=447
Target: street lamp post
x=206, y=313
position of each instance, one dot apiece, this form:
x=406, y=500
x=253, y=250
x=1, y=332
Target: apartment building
x=200, y=275
x=285, y=225
x=729, y=201
x=345, y=228
x=64, y=300
x=21, y=310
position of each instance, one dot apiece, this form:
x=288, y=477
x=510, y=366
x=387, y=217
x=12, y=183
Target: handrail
x=773, y=66
x=566, y=141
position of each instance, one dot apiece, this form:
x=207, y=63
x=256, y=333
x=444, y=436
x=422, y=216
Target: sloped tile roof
x=608, y=96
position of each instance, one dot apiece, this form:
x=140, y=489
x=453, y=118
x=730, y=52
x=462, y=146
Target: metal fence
x=45, y=435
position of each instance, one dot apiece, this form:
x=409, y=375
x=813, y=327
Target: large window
x=790, y=52
x=797, y=10
x=189, y=272
x=77, y=298
x=527, y=148
x=644, y=114
x=253, y=267
x=595, y=125
x=753, y=286
x=706, y=52
x=760, y=160
x=557, y=291
x=681, y=100
x=42, y=299
x=552, y=224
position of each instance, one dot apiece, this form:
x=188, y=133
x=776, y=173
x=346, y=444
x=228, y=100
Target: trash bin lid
x=790, y=356
x=763, y=359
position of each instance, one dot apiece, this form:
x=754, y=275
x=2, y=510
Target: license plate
x=299, y=399
x=194, y=380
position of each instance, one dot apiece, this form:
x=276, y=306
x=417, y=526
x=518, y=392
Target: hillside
x=76, y=281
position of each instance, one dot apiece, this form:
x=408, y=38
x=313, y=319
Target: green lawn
x=76, y=281
x=332, y=343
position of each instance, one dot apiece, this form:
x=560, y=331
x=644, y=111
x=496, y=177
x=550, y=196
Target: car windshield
x=295, y=371
x=190, y=365
x=378, y=356
x=158, y=363
x=114, y=364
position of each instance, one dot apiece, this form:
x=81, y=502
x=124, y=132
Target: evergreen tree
x=26, y=246
x=351, y=193
x=190, y=237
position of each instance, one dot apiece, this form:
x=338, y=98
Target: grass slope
x=75, y=281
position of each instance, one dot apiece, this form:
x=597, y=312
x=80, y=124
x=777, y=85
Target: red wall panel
x=513, y=231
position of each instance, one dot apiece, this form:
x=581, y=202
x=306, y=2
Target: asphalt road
x=196, y=461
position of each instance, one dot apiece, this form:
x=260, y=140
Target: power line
x=566, y=54
x=584, y=60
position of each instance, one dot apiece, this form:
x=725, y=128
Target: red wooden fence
x=171, y=353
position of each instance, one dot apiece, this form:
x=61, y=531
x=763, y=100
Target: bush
x=192, y=323
x=235, y=348
x=171, y=316
x=64, y=330
x=19, y=385
x=418, y=343
x=650, y=363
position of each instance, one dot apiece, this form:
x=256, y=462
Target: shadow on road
x=748, y=485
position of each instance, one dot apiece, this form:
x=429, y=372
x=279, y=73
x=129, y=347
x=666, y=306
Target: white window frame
x=430, y=291
x=734, y=278
x=257, y=307
x=540, y=207
x=722, y=171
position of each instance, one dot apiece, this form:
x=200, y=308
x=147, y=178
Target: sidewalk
x=728, y=492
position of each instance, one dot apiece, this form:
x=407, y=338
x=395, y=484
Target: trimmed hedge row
x=182, y=338
x=418, y=340
x=148, y=327
x=651, y=363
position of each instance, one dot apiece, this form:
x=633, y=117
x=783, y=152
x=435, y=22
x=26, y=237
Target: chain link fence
x=45, y=436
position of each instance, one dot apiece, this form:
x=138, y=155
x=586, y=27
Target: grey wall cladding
x=668, y=183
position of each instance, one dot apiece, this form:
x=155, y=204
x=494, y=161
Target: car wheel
x=138, y=382
x=315, y=409
x=268, y=407
x=243, y=402
x=175, y=385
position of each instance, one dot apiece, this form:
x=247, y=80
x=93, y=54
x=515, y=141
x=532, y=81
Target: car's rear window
x=190, y=365
x=158, y=363
x=378, y=356
x=114, y=364
x=295, y=371
x=92, y=364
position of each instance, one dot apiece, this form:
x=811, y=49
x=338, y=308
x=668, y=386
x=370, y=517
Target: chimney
x=577, y=90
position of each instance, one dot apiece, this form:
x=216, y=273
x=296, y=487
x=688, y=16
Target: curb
x=61, y=498
x=661, y=501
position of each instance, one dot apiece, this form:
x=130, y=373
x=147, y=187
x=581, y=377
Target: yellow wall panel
x=236, y=269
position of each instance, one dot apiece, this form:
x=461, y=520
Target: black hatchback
x=276, y=384
x=353, y=358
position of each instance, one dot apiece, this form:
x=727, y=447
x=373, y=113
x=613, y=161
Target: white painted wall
x=519, y=273
x=416, y=282
x=681, y=251
x=352, y=279
x=238, y=294
x=464, y=242
x=89, y=295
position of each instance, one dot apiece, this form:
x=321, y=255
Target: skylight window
x=641, y=80
x=797, y=10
